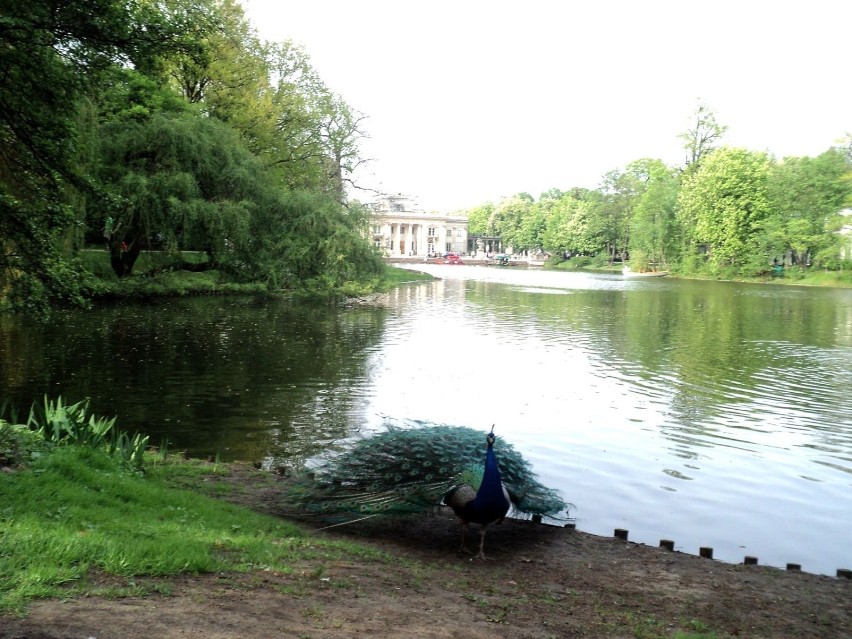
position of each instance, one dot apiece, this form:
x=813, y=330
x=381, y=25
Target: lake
x=709, y=413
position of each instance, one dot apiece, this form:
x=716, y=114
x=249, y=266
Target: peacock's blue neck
x=490, y=502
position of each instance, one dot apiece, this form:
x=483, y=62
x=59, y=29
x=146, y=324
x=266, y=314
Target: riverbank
x=410, y=580
x=789, y=277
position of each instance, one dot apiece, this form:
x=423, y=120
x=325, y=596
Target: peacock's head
x=491, y=437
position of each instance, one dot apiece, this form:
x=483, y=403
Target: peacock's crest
x=408, y=470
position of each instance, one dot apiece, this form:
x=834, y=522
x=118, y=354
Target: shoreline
x=541, y=582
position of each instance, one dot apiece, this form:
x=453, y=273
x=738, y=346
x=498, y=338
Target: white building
x=401, y=228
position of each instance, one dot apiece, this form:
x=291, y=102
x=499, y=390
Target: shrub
x=19, y=444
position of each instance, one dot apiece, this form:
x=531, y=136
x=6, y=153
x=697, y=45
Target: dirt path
x=541, y=582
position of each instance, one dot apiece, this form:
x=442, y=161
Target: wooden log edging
x=707, y=552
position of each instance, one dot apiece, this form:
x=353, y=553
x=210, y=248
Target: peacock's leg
x=482, y=542
x=464, y=532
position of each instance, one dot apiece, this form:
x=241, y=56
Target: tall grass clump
x=59, y=423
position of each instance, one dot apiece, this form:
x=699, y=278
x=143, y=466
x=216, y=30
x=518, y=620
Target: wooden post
x=794, y=567
x=706, y=552
x=750, y=561
x=621, y=533
x=667, y=544
x=845, y=573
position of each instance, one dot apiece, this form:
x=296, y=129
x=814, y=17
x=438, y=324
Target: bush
x=19, y=444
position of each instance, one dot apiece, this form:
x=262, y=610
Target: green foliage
x=319, y=247
x=653, y=227
x=807, y=195
x=724, y=203
x=568, y=227
x=509, y=215
x=50, y=55
x=480, y=220
x=702, y=136
x=58, y=423
x=732, y=213
x=19, y=444
x=184, y=180
x=172, y=125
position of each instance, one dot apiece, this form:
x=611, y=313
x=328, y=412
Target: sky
x=471, y=101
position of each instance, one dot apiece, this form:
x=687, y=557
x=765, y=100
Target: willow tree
x=178, y=180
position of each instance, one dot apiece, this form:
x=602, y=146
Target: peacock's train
x=413, y=469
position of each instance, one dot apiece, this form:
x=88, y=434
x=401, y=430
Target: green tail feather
x=409, y=470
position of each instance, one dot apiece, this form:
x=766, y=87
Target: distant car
x=452, y=258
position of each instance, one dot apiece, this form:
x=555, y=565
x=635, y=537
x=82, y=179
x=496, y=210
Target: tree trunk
x=122, y=256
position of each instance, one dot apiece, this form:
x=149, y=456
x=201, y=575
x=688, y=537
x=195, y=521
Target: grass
x=154, y=276
x=394, y=276
x=176, y=284
x=97, y=261
x=79, y=511
x=792, y=276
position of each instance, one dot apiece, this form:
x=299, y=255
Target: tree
x=340, y=133
x=479, y=220
x=568, y=227
x=50, y=52
x=316, y=134
x=703, y=135
x=179, y=180
x=530, y=235
x=508, y=217
x=652, y=227
x=610, y=220
x=723, y=205
x=807, y=195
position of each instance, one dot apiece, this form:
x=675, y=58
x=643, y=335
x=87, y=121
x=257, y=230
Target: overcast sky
x=469, y=101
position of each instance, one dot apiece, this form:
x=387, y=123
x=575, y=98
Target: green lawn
x=78, y=510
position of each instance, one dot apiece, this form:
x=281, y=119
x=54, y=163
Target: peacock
x=405, y=470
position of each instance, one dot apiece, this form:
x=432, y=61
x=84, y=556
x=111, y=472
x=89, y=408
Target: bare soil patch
x=540, y=582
